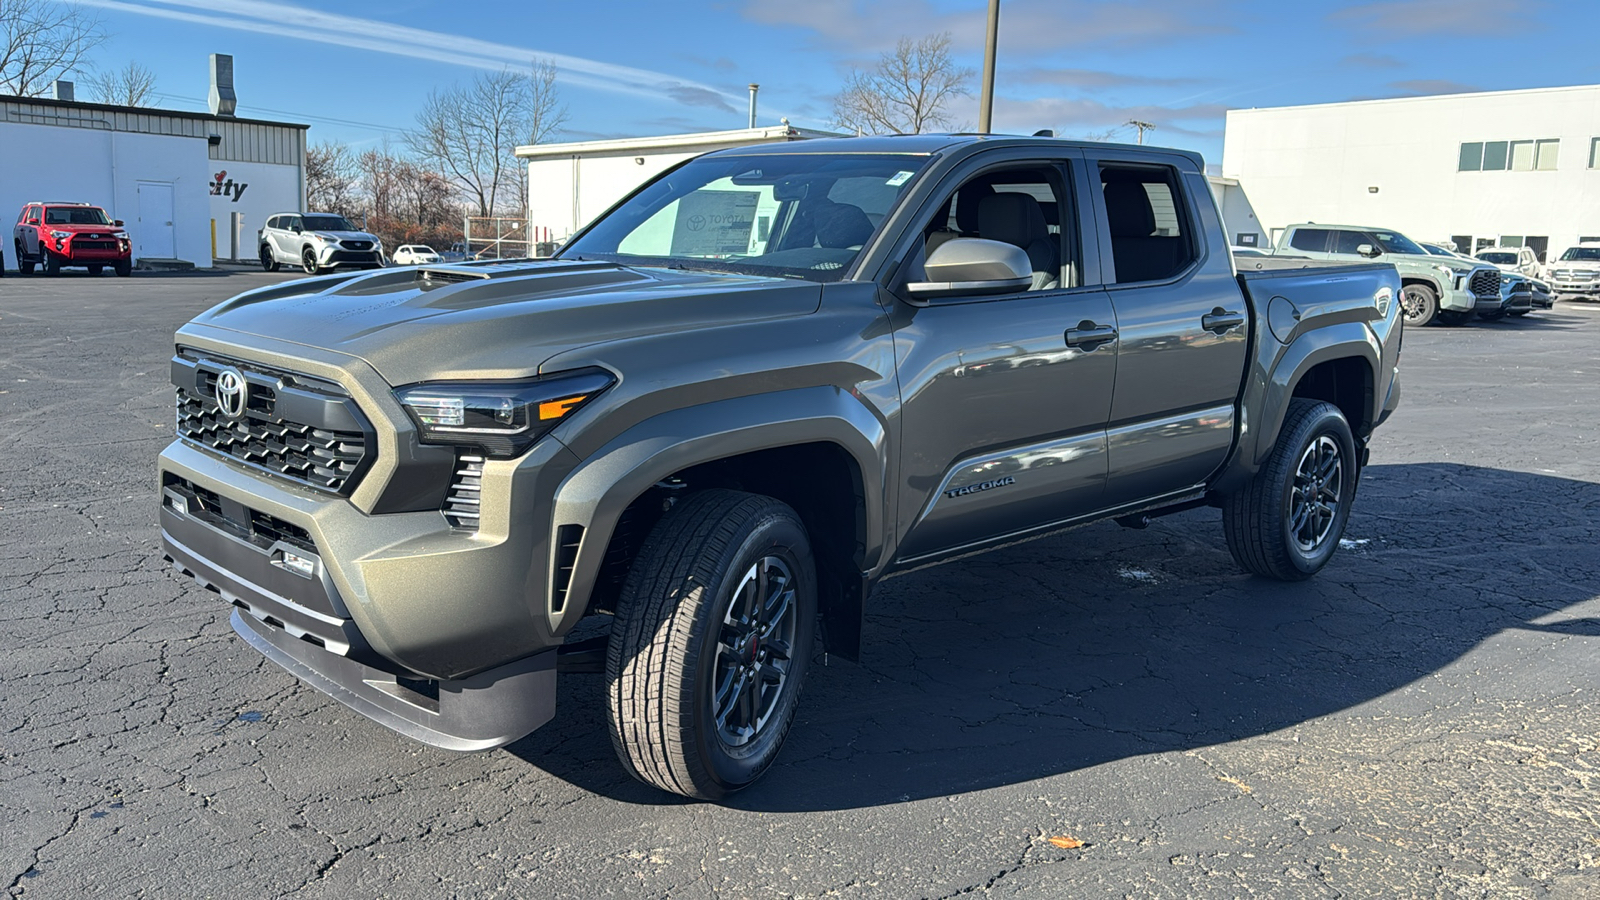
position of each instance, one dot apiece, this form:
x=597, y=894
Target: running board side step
x=1141, y=520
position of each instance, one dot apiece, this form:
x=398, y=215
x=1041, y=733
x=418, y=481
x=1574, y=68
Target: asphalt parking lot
x=1423, y=719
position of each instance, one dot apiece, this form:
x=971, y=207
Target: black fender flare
x=595, y=494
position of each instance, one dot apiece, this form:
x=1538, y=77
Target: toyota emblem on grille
x=231, y=393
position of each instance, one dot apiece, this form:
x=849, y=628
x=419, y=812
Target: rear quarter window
x=1311, y=240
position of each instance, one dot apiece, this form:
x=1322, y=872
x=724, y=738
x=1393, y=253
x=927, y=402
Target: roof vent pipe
x=62, y=90
x=753, y=89
x=223, y=99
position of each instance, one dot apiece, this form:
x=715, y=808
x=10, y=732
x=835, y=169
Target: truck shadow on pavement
x=1103, y=643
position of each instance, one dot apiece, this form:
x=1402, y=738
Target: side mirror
x=117, y=222
x=1367, y=250
x=963, y=267
x=296, y=229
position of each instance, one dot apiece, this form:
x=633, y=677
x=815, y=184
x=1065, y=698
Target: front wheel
x=1418, y=304
x=1287, y=522
x=123, y=268
x=308, y=261
x=52, y=262
x=710, y=642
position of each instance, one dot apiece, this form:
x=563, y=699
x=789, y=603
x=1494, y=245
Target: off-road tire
x=123, y=268
x=24, y=264
x=52, y=262
x=308, y=262
x=1258, y=518
x=269, y=260
x=1419, y=304
x=668, y=635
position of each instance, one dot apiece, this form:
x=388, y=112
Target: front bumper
x=1465, y=301
x=335, y=257
x=303, y=623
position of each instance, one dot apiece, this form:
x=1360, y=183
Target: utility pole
x=986, y=96
x=1142, y=126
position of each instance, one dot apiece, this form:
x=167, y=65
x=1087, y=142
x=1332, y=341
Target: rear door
x=1183, y=327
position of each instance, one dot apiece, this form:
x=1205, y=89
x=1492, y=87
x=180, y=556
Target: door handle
x=1088, y=335
x=1220, y=320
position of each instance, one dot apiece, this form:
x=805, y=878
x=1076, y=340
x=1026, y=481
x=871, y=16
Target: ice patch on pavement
x=1357, y=544
x=1139, y=575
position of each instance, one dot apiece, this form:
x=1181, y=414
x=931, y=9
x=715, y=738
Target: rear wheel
x=710, y=642
x=1286, y=523
x=24, y=264
x=1419, y=303
x=269, y=262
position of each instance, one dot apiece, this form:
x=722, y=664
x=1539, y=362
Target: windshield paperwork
x=326, y=223
x=1394, y=242
x=1581, y=254
x=799, y=215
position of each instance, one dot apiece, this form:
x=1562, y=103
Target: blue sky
x=358, y=72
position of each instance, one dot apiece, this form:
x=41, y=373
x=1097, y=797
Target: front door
x=1005, y=398
x=155, y=236
x=1183, y=330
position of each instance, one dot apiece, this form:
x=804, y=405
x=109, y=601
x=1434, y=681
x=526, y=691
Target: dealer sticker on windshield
x=899, y=179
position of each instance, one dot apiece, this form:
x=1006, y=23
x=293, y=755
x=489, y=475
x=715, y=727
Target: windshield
x=1436, y=250
x=1581, y=254
x=800, y=215
x=75, y=215
x=1394, y=242
x=1499, y=259
x=326, y=223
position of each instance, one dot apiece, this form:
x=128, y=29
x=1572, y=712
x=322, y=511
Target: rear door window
x=1311, y=240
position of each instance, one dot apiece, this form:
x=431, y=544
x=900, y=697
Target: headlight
x=328, y=237
x=503, y=418
x=61, y=235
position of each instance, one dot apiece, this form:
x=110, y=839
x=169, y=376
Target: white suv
x=1521, y=260
x=317, y=243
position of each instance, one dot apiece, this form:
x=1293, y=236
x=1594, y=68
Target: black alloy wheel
x=269, y=262
x=1287, y=521
x=755, y=651
x=308, y=261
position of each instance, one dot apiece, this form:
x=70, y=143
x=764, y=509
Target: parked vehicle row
x=1449, y=289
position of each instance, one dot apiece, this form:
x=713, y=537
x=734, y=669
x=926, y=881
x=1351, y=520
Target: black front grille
x=267, y=435
x=356, y=245
x=1485, y=283
x=94, y=245
x=466, y=490
x=353, y=256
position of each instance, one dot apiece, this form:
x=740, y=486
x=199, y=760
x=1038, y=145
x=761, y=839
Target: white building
x=1505, y=167
x=175, y=178
x=570, y=184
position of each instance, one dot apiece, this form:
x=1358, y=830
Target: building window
x=1462, y=242
x=1494, y=155
x=1545, y=155
x=1522, y=156
x=1594, y=153
x=1511, y=240
x=1472, y=156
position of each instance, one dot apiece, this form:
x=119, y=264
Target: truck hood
x=1583, y=265
x=500, y=320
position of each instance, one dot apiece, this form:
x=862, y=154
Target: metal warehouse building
x=1505, y=167
x=176, y=178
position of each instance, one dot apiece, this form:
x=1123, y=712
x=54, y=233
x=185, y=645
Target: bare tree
x=907, y=93
x=40, y=41
x=471, y=133
x=134, y=85
x=332, y=178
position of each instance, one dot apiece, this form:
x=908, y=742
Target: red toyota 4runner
x=52, y=235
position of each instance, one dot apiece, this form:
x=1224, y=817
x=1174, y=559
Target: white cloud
x=269, y=17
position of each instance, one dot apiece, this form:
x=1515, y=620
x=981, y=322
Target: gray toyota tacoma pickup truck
x=751, y=390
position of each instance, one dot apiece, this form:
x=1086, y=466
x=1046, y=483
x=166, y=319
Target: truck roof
x=929, y=144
